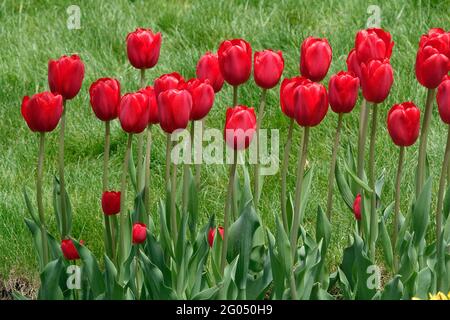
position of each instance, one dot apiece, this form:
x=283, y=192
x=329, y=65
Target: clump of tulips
x=237, y=257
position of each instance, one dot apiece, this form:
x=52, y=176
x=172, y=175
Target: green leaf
x=165, y=238
x=421, y=213
x=323, y=230
x=344, y=188
x=30, y=206
x=50, y=289
x=386, y=244
x=393, y=290
x=423, y=283
x=207, y=294
x=379, y=183
x=446, y=210
x=193, y=206
x=57, y=207
x=306, y=191
x=228, y=287
x=94, y=275
x=278, y=272
x=132, y=170
x=361, y=183
x=113, y=291
x=284, y=248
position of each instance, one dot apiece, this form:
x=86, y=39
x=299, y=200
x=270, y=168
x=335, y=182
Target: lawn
x=32, y=32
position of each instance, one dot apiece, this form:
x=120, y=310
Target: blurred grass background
x=32, y=32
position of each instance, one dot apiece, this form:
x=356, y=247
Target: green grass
x=32, y=32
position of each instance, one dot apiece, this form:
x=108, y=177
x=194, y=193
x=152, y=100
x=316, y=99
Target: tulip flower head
x=310, y=104
x=357, y=207
x=315, y=58
x=212, y=234
x=104, y=96
x=268, y=67
x=240, y=126
x=235, y=61
x=343, y=92
x=69, y=250
x=287, y=90
x=376, y=80
x=353, y=65
x=208, y=68
x=174, y=109
x=403, y=123
x=153, y=105
x=202, y=94
x=111, y=202
x=65, y=76
x=443, y=100
x=139, y=233
x=373, y=44
x=433, y=58
x=168, y=81
x=143, y=47
x=42, y=111
x=134, y=112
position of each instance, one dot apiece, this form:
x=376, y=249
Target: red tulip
x=376, y=80
x=443, y=99
x=202, y=98
x=315, y=58
x=105, y=98
x=212, y=233
x=65, y=76
x=134, y=112
x=69, y=250
x=357, y=207
x=153, y=105
x=167, y=81
x=240, y=126
x=287, y=90
x=310, y=104
x=373, y=44
x=111, y=202
x=343, y=92
x=403, y=123
x=42, y=111
x=433, y=58
x=235, y=61
x=268, y=67
x=174, y=108
x=208, y=69
x=353, y=63
x=143, y=47
x=139, y=233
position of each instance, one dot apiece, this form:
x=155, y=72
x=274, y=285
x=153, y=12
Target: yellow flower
x=439, y=296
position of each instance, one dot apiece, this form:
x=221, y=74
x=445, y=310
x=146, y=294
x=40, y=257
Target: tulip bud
x=433, y=58
x=403, y=123
x=310, y=104
x=443, y=99
x=69, y=250
x=174, y=108
x=143, y=47
x=208, y=69
x=287, y=90
x=65, y=76
x=153, y=105
x=235, y=61
x=373, y=44
x=42, y=111
x=357, y=207
x=240, y=126
x=267, y=68
x=139, y=233
x=315, y=58
x=105, y=98
x=111, y=202
x=353, y=65
x=134, y=112
x=212, y=233
x=167, y=81
x=376, y=80
x=343, y=92
x=202, y=98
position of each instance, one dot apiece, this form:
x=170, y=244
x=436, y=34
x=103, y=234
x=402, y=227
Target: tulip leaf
x=207, y=294
x=132, y=170
x=323, y=230
x=379, y=183
x=393, y=290
x=57, y=207
x=227, y=286
x=424, y=278
x=50, y=276
x=361, y=183
x=306, y=191
x=30, y=206
x=386, y=244
x=344, y=188
x=284, y=248
x=154, y=280
x=421, y=213
x=446, y=208
x=113, y=291
x=193, y=206
x=165, y=239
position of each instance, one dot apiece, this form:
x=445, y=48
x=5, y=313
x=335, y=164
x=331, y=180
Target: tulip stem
x=235, y=96
x=401, y=158
x=188, y=151
x=40, y=168
x=333, y=166
x=123, y=190
x=147, y=171
x=298, y=193
x=362, y=137
x=284, y=170
x=140, y=144
x=258, y=165
x=373, y=203
x=142, y=79
x=197, y=165
x=173, y=198
x=168, y=160
x=62, y=187
x=109, y=239
x=227, y=210
x=423, y=141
